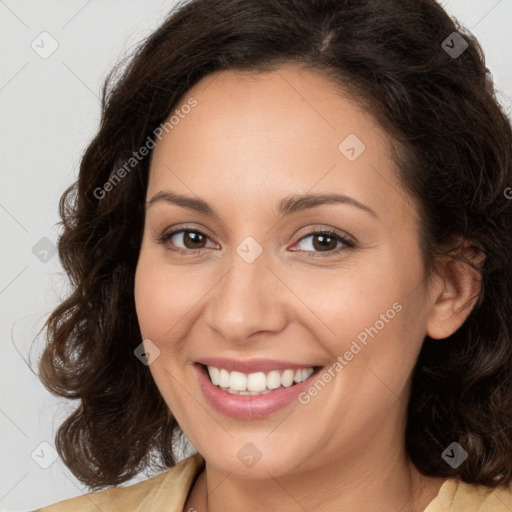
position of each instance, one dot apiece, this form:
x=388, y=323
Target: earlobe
x=456, y=293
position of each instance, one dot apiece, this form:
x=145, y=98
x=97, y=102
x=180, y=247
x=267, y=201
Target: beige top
x=168, y=492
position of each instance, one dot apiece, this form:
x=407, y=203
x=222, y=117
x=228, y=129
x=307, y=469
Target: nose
x=248, y=301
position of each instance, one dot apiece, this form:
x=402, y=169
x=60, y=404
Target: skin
x=251, y=141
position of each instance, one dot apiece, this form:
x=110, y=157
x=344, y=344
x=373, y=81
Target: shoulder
x=170, y=487
x=458, y=496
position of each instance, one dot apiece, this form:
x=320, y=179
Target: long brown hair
x=454, y=155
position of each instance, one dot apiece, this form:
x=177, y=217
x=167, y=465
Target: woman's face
x=254, y=287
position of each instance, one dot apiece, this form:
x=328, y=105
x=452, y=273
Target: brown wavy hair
x=454, y=157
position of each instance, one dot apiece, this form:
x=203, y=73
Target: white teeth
x=214, y=374
x=306, y=373
x=238, y=381
x=273, y=380
x=287, y=378
x=223, y=378
x=258, y=383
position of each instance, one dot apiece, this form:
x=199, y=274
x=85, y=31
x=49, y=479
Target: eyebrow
x=287, y=206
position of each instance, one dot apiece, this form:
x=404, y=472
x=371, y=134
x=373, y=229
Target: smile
x=258, y=383
x=252, y=389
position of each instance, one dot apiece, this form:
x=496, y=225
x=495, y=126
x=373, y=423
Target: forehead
x=263, y=135
x=289, y=100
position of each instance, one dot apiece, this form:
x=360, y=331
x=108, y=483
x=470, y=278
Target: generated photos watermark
x=343, y=360
x=144, y=150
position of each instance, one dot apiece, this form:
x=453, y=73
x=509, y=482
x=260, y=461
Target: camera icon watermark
x=44, y=455
x=454, y=45
x=249, y=455
x=454, y=455
x=147, y=352
x=249, y=249
x=44, y=45
x=352, y=147
x=44, y=250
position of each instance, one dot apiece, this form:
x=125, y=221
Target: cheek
x=343, y=305
x=152, y=300
x=164, y=298
x=369, y=318
x=163, y=302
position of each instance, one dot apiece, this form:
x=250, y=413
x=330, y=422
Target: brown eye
x=185, y=240
x=324, y=243
x=193, y=239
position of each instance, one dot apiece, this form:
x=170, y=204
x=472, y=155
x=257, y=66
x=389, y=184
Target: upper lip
x=251, y=365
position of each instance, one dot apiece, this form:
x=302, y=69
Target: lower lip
x=249, y=406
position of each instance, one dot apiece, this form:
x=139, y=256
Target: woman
x=289, y=241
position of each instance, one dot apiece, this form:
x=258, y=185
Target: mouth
x=253, y=388
x=257, y=383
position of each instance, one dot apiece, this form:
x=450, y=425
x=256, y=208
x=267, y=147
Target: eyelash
x=348, y=244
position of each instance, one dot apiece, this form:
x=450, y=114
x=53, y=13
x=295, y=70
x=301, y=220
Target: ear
x=455, y=292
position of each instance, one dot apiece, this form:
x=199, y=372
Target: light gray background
x=49, y=111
